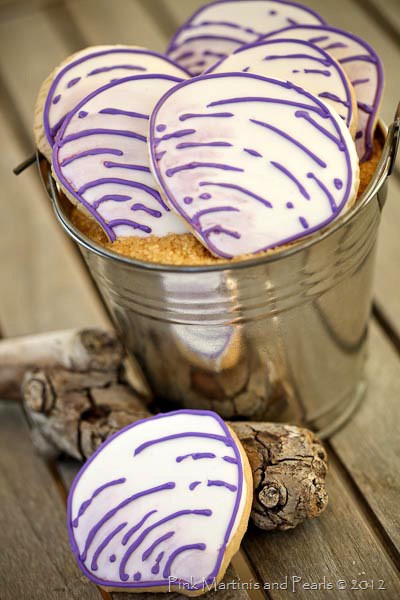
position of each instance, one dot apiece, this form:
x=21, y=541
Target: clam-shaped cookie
x=251, y=163
x=100, y=159
x=82, y=73
x=363, y=68
x=301, y=63
x=163, y=502
x=218, y=28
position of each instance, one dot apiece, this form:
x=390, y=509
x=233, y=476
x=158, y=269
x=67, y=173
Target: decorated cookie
x=251, y=163
x=299, y=62
x=100, y=159
x=362, y=66
x=82, y=73
x=218, y=28
x=163, y=502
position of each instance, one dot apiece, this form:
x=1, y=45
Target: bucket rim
x=377, y=181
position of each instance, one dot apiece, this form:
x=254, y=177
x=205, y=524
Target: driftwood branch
x=74, y=412
x=77, y=350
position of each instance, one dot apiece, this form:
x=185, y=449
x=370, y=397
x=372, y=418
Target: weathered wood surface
x=357, y=537
x=36, y=560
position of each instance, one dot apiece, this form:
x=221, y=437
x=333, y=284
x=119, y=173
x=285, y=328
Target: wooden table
x=46, y=286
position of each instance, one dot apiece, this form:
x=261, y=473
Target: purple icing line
x=320, y=38
x=292, y=178
x=156, y=567
x=173, y=45
x=113, y=558
x=133, y=224
x=136, y=527
x=325, y=190
x=176, y=515
x=230, y=459
x=322, y=111
x=184, y=145
x=109, y=440
x=318, y=72
x=73, y=82
x=111, y=165
x=205, y=196
x=196, y=456
x=252, y=152
x=175, y=553
x=137, y=576
x=201, y=165
x=194, y=485
x=338, y=184
x=150, y=211
x=115, y=67
x=303, y=222
x=94, y=530
x=322, y=61
x=238, y=188
x=200, y=115
x=60, y=75
x=91, y=152
x=226, y=440
x=289, y=205
x=334, y=97
x=335, y=45
x=97, y=131
x=57, y=99
x=188, y=200
x=104, y=543
x=111, y=197
x=288, y=137
x=125, y=113
x=302, y=114
x=365, y=107
x=184, y=56
x=219, y=483
x=147, y=553
x=196, y=218
x=85, y=505
x=127, y=182
x=176, y=134
x=360, y=81
x=82, y=114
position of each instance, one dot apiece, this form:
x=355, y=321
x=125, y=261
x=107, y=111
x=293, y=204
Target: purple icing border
x=171, y=199
x=171, y=45
x=142, y=584
x=333, y=62
x=379, y=66
x=108, y=230
x=59, y=76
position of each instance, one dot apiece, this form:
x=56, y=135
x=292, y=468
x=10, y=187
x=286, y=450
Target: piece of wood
x=74, y=412
x=369, y=446
x=75, y=349
x=339, y=546
x=36, y=558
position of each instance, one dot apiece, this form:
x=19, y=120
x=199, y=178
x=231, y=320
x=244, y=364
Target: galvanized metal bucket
x=277, y=337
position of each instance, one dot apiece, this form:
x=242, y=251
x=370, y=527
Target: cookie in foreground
x=162, y=505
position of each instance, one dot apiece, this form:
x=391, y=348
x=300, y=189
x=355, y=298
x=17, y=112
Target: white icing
x=359, y=69
x=299, y=62
x=148, y=61
x=138, y=95
x=155, y=466
x=257, y=226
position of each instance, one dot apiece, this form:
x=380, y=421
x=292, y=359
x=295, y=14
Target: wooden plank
x=117, y=22
x=338, y=546
x=30, y=48
x=36, y=559
x=370, y=444
x=44, y=283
